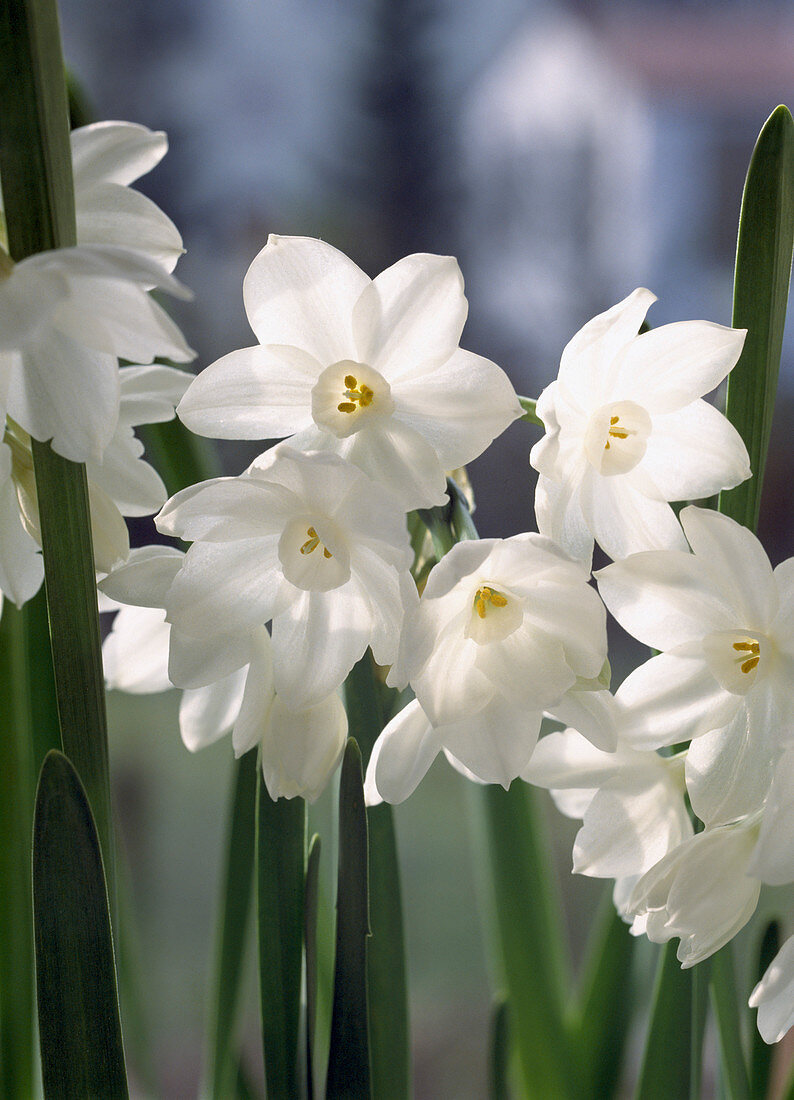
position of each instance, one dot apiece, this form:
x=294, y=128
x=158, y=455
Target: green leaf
x=312, y=905
x=280, y=854
x=603, y=1010
x=348, y=1062
x=725, y=1003
x=389, y=1032
x=79, y=1029
x=499, y=1051
x=666, y=1064
x=761, y=283
x=235, y=910
x=527, y=928
x=762, y=1053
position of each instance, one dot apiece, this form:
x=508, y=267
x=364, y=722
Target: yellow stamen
x=754, y=649
x=748, y=666
x=616, y=433
x=485, y=596
x=312, y=542
x=357, y=396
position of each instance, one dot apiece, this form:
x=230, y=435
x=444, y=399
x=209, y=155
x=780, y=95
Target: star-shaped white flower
x=627, y=431
x=724, y=621
x=368, y=369
x=305, y=540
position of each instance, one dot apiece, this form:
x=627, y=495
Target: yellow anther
x=327, y=553
x=616, y=433
x=357, y=396
x=754, y=649
x=312, y=542
x=485, y=596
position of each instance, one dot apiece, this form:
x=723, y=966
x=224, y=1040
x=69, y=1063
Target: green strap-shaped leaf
x=760, y=294
x=603, y=1011
x=38, y=197
x=310, y=939
x=762, y=1053
x=280, y=855
x=666, y=1065
x=79, y=1029
x=725, y=1002
x=233, y=922
x=348, y=1061
x=387, y=990
x=499, y=1052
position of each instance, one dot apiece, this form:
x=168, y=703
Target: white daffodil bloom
x=724, y=621
x=627, y=431
x=701, y=891
x=774, y=995
x=80, y=309
x=106, y=158
x=369, y=369
x=505, y=630
x=121, y=484
x=632, y=802
x=300, y=749
x=307, y=541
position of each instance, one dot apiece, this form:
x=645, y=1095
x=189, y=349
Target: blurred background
x=565, y=153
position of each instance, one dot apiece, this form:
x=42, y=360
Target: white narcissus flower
x=80, y=308
x=106, y=158
x=121, y=484
x=299, y=749
x=774, y=995
x=627, y=431
x=505, y=630
x=307, y=541
x=368, y=369
x=724, y=621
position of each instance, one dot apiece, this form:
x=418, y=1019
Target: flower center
x=302, y=563
x=349, y=396
x=494, y=615
x=736, y=659
x=617, y=437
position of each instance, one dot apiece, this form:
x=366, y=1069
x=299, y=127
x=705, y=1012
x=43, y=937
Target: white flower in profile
x=724, y=623
x=80, y=308
x=774, y=995
x=121, y=484
x=299, y=749
x=505, y=630
x=106, y=158
x=307, y=541
x=369, y=369
x=627, y=431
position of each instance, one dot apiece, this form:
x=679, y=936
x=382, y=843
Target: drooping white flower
x=106, y=158
x=65, y=318
x=368, y=369
x=121, y=484
x=307, y=541
x=774, y=995
x=505, y=630
x=299, y=749
x=724, y=621
x=627, y=431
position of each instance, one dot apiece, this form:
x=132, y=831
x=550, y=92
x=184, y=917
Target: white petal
x=668, y=367
x=302, y=292
x=665, y=598
x=401, y=756
x=145, y=577
x=150, y=393
x=381, y=585
x=566, y=760
x=21, y=564
x=773, y=859
x=527, y=666
x=197, y=661
x=694, y=452
x=559, y=516
x=394, y=455
x=117, y=151
x=587, y=360
x=301, y=749
x=110, y=214
x=226, y=509
x=207, y=713
x=412, y=314
x=624, y=520
x=774, y=995
x=592, y=713
x=135, y=653
x=253, y=393
x=134, y=485
x=495, y=743
x=258, y=696
x=108, y=530
x=672, y=698
x=459, y=408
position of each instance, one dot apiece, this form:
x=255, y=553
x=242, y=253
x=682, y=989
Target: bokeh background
x=566, y=153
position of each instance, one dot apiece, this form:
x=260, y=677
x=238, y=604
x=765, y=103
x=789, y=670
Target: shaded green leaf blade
x=80, y=1033
x=666, y=1064
x=310, y=937
x=348, y=1063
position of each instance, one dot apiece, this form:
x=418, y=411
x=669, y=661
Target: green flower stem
x=667, y=1060
x=38, y=195
x=389, y=1032
x=530, y=415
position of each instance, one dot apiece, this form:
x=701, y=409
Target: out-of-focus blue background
x=566, y=154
